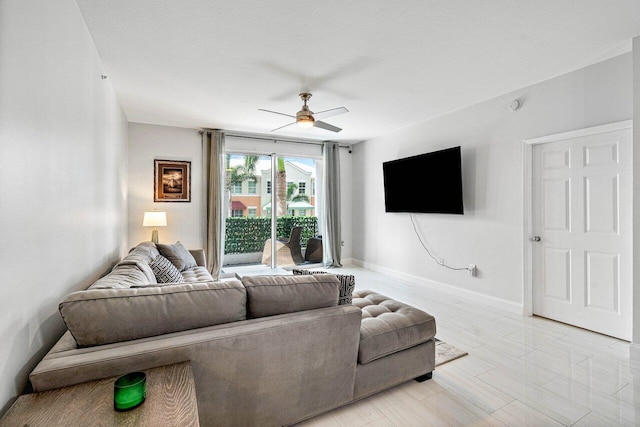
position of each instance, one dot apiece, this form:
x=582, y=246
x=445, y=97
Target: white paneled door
x=582, y=243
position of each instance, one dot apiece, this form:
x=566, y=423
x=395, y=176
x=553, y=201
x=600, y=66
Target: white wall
x=490, y=232
x=184, y=220
x=63, y=160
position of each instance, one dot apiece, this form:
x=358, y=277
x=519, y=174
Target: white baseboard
x=347, y=261
x=500, y=303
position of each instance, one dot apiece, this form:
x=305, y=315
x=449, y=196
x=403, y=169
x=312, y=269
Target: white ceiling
x=213, y=63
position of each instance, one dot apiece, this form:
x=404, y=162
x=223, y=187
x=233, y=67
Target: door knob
x=536, y=238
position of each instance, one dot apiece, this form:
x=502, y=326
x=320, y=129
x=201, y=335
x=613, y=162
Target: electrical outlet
x=473, y=270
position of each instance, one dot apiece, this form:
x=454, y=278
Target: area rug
x=446, y=352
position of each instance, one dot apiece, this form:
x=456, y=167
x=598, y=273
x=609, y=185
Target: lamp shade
x=154, y=219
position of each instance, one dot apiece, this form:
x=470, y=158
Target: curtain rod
x=276, y=140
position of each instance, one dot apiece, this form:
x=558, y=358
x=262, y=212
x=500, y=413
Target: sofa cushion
x=389, y=326
x=271, y=295
x=122, y=277
x=140, y=257
x=347, y=284
x=178, y=255
x=149, y=248
x=102, y=316
x=196, y=274
x=165, y=271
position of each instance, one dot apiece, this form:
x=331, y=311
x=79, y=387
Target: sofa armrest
x=198, y=255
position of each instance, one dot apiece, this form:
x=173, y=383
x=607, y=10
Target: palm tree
x=281, y=188
x=250, y=163
x=240, y=173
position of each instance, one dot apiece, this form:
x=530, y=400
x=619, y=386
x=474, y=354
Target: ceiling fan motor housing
x=304, y=117
x=305, y=114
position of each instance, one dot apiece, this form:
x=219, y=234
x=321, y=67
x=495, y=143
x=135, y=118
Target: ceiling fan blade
x=289, y=124
x=330, y=113
x=327, y=126
x=275, y=112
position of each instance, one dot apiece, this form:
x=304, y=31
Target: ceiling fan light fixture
x=305, y=121
x=304, y=117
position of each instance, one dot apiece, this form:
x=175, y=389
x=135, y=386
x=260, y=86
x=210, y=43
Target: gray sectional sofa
x=267, y=351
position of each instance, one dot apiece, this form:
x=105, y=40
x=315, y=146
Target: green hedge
x=246, y=235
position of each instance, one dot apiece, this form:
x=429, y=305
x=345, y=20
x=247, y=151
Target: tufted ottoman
x=196, y=274
x=389, y=327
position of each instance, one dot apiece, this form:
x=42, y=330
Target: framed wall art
x=172, y=181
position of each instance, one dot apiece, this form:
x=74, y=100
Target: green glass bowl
x=129, y=391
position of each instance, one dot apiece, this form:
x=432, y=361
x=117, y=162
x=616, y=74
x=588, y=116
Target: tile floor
x=520, y=371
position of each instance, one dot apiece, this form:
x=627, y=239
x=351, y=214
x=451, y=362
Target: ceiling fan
x=306, y=118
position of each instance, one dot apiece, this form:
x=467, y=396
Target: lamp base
x=154, y=236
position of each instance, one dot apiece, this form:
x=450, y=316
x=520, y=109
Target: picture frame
x=172, y=181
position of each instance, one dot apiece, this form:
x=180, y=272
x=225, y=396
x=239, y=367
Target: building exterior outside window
x=252, y=212
x=236, y=213
x=251, y=187
x=257, y=192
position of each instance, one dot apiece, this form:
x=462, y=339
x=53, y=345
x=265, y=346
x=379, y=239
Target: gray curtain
x=214, y=173
x=331, y=234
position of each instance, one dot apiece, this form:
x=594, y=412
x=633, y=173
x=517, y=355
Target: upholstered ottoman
x=390, y=332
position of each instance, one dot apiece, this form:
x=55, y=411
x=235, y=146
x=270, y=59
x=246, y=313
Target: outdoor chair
x=313, y=252
x=288, y=251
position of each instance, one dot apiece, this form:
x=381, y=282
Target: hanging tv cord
x=471, y=269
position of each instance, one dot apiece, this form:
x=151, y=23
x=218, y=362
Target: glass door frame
x=274, y=211
x=273, y=157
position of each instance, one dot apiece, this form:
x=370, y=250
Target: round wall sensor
x=515, y=105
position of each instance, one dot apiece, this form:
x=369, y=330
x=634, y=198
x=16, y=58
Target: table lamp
x=154, y=219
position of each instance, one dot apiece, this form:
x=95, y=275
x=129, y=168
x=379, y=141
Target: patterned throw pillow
x=347, y=284
x=165, y=271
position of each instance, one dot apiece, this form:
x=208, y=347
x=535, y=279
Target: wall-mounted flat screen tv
x=427, y=183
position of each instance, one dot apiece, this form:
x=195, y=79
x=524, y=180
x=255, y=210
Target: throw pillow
x=178, y=255
x=347, y=284
x=165, y=271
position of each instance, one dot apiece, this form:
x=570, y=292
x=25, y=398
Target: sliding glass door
x=295, y=209
x=272, y=212
x=247, y=227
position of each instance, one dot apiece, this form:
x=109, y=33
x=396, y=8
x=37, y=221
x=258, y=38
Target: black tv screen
x=427, y=183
